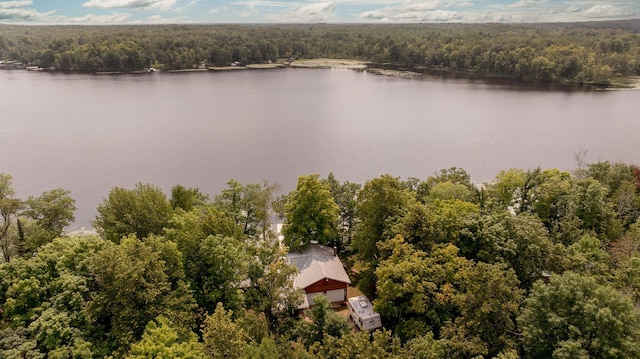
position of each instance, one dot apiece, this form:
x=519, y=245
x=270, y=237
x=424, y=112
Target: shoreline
x=628, y=84
x=391, y=70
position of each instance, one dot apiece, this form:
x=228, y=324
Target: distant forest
x=594, y=53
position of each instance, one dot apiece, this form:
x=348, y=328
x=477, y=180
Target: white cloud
x=418, y=12
x=607, y=11
x=218, y=10
x=31, y=15
x=15, y=4
x=314, y=12
x=23, y=15
x=117, y=18
x=135, y=4
x=526, y=4
x=157, y=19
x=249, y=13
x=303, y=12
x=262, y=3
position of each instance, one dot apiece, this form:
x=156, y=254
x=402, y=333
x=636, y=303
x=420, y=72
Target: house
x=361, y=311
x=320, y=272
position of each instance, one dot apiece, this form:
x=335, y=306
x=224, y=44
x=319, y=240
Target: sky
x=311, y=11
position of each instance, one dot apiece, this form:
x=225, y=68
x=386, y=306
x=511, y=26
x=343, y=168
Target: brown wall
x=325, y=285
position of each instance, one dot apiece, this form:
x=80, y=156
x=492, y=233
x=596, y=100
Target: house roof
x=315, y=263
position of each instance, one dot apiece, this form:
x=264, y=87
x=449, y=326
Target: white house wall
x=336, y=295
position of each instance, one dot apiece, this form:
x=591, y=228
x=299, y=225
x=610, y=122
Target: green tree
x=346, y=197
x=249, y=205
x=381, y=202
x=223, y=265
x=223, y=338
x=523, y=243
x=189, y=229
x=51, y=212
x=587, y=256
x=417, y=290
x=311, y=214
x=271, y=291
x=488, y=309
x=575, y=316
x=186, y=198
x=46, y=296
x=162, y=340
x=137, y=281
x=505, y=190
x=14, y=344
x=380, y=344
x=323, y=323
x=425, y=347
x=593, y=211
x=9, y=208
x=627, y=279
x=201, y=236
x=142, y=211
x=268, y=349
x=443, y=221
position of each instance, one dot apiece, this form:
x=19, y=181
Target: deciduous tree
x=9, y=207
x=345, y=195
x=142, y=211
x=162, y=340
x=382, y=202
x=311, y=214
x=489, y=304
x=575, y=316
x=223, y=338
x=417, y=290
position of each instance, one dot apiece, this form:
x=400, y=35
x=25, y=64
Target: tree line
x=594, y=53
x=533, y=264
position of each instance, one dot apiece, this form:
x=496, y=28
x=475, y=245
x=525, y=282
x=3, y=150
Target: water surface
x=89, y=133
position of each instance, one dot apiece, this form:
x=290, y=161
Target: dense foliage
x=534, y=264
x=576, y=52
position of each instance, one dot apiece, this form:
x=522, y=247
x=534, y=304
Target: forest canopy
x=537, y=263
x=595, y=53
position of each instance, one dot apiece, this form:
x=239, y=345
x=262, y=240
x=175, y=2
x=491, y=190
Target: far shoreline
x=383, y=69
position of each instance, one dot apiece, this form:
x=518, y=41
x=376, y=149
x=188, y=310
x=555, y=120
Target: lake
x=89, y=133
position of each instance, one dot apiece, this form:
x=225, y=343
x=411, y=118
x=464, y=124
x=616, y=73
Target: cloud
x=526, y=4
x=116, y=18
x=262, y=3
x=31, y=15
x=15, y=4
x=313, y=13
x=133, y=4
x=607, y=11
x=157, y=19
x=418, y=12
x=21, y=11
x=217, y=10
x=300, y=12
x=23, y=15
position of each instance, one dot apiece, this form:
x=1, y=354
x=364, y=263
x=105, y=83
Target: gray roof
x=316, y=263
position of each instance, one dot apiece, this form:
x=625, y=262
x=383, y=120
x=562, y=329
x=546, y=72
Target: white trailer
x=361, y=311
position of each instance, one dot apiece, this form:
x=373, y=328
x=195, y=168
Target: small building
x=361, y=311
x=320, y=272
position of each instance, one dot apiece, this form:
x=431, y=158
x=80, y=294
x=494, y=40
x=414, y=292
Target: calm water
x=89, y=133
